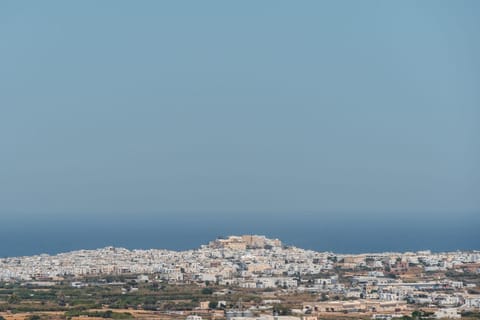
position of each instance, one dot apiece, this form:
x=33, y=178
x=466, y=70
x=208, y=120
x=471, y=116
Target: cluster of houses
x=382, y=283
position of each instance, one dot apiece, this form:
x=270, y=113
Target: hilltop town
x=243, y=278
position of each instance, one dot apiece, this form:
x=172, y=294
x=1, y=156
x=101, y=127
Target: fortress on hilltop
x=245, y=242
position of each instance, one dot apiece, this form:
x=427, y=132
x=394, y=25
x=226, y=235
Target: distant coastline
x=286, y=246
x=181, y=232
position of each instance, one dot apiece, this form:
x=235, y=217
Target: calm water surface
x=344, y=233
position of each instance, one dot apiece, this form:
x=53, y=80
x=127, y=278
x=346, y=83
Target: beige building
x=356, y=306
x=258, y=267
x=232, y=242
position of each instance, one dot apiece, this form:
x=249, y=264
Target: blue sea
x=341, y=233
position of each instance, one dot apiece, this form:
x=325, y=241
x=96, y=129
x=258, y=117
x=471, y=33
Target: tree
x=13, y=299
x=207, y=291
x=416, y=314
x=212, y=305
x=282, y=310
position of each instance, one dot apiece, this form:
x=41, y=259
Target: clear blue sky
x=120, y=107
